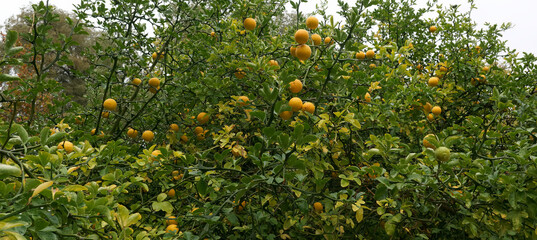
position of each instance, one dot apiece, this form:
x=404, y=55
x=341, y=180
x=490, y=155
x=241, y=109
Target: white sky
x=521, y=13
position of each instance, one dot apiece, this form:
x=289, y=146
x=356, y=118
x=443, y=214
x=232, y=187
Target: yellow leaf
x=360, y=215
x=338, y=204
x=40, y=188
x=374, y=86
x=72, y=169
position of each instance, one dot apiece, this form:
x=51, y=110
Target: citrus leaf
x=8, y=78
x=40, y=188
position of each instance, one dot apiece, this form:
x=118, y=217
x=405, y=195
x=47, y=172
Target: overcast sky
x=521, y=13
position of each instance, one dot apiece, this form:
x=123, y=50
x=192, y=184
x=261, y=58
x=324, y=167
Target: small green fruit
x=442, y=154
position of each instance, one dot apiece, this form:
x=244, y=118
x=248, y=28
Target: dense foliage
x=194, y=125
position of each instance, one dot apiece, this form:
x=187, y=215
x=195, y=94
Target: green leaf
x=57, y=136
x=258, y=114
x=45, y=132
x=344, y=182
x=307, y=139
x=162, y=206
x=451, y=140
x=14, y=51
x=294, y=162
x=8, y=78
x=269, y=131
x=9, y=170
x=161, y=197
x=232, y=218
x=133, y=218
x=283, y=140
x=103, y=211
x=11, y=38
x=297, y=133
x=202, y=187
x=390, y=228
x=19, y=129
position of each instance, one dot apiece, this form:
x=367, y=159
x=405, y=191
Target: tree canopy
x=238, y=120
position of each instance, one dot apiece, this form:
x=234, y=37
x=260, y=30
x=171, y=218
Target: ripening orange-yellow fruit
x=433, y=82
x=249, y=24
x=155, y=154
x=312, y=22
x=172, y=229
x=148, y=136
x=274, y=63
x=213, y=34
x=136, y=81
x=482, y=78
x=301, y=36
x=303, y=52
x=203, y=117
x=154, y=90
x=105, y=114
x=200, y=136
x=184, y=139
x=328, y=41
x=293, y=51
x=316, y=38
x=178, y=177
x=295, y=86
x=318, y=207
x=174, y=127
x=66, y=145
x=171, y=220
x=243, y=100
x=171, y=193
x=485, y=69
x=198, y=130
x=426, y=143
x=308, y=107
x=154, y=82
x=432, y=29
x=436, y=110
x=110, y=104
x=154, y=55
x=242, y=206
x=370, y=54
x=427, y=107
x=79, y=119
x=132, y=133
x=239, y=73
x=286, y=115
x=360, y=55
x=430, y=117
x=443, y=68
x=367, y=97
x=296, y=104
x=372, y=66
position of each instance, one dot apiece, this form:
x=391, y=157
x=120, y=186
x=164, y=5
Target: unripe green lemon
x=442, y=154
